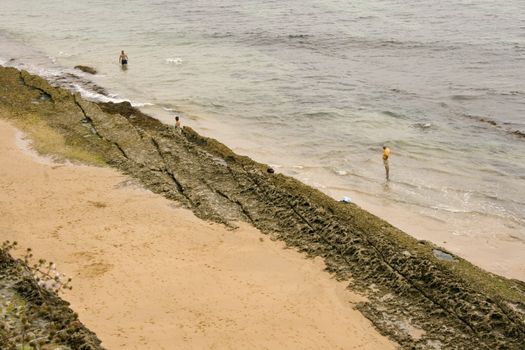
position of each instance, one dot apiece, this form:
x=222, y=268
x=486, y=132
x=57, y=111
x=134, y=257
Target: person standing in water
x=386, y=155
x=123, y=59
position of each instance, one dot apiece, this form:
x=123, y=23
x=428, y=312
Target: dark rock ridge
x=417, y=299
x=503, y=127
x=50, y=323
x=86, y=69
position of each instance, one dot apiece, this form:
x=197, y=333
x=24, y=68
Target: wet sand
x=147, y=274
x=498, y=252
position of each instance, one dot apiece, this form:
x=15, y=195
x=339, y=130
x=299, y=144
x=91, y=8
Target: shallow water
x=315, y=88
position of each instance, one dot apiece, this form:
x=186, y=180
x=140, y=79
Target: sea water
x=316, y=87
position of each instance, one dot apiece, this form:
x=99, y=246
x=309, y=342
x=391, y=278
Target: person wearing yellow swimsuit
x=386, y=155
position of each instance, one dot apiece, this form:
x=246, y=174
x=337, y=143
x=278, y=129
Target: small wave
x=394, y=114
x=141, y=104
x=92, y=95
x=298, y=36
x=436, y=45
x=392, y=42
x=95, y=96
x=444, y=171
x=497, y=215
x=320, y=114
x=513, y=93
x=519, y=48
x=486, y=120
x=217, y=35
x=514, y=132
x=341, y=172
x=64, y=54
x=175, y=60
x=464, y=97
x=422, y=126
x=453, y=210
x=518, y=133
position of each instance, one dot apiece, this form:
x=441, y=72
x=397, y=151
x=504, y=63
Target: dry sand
x=149, y=275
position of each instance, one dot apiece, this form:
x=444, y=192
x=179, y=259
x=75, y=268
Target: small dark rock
x=270, y=171
x=519, y=133
x=86, y=69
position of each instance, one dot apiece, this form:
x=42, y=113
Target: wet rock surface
x=414, y=297
x=33, y=317
x=86, y=69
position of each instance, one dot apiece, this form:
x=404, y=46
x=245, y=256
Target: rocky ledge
x=419, y=295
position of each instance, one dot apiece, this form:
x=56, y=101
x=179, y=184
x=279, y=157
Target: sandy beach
x=168, y=256
x=148, y=274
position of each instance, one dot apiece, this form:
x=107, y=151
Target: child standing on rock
x=178, y=129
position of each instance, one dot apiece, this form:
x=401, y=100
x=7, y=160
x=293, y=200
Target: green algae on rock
x=450, y=304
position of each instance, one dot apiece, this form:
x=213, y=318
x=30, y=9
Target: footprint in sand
x=83, y=256
x=88, y=266
x=55, y=232
x=95, y=269
x=98, y=204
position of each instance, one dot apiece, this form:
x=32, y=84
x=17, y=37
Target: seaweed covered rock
x=86, y=69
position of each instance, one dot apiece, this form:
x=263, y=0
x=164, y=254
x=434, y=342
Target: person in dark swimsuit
x=123, y=59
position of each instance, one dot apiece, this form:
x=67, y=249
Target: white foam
x=450, y=209
x=141, y=104
x=53, y=59
x=36, y=69
x=64, y=54
x=92, y=95
x=341, y=172
x=175, y=60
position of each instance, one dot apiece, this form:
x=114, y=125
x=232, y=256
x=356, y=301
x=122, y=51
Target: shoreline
x=492, y=243
x=405, y=280
x=498, y=250
x=148, y=274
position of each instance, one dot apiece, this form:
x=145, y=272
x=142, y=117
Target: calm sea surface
x=315, y=88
